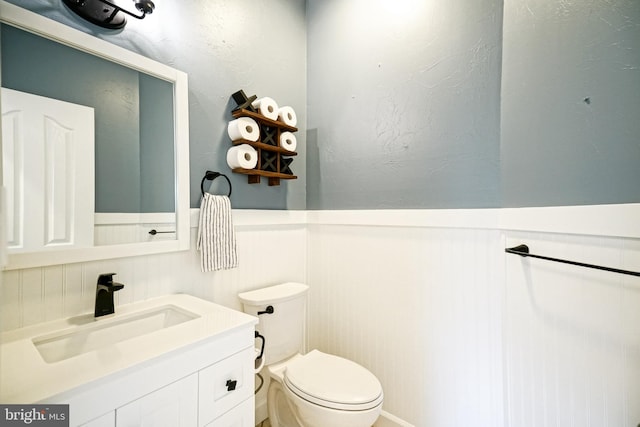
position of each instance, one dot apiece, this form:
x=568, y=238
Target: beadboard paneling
x=572, y=335
x=459, y=332
x=419, y=307
x=267, y=254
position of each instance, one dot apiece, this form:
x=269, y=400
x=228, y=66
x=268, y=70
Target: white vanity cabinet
x=171, y=406
x=148, y=371
x=224, y=386
x=214, y=394
x=241, y=416
x=175, y=405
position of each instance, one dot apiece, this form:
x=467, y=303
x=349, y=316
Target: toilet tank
x=283, y=329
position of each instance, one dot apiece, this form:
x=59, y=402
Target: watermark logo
x=34, y=415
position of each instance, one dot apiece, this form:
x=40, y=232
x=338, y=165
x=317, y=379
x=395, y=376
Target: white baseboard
x=385, y=420
x=388, y=420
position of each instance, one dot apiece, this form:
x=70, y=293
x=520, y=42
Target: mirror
x=140, y=111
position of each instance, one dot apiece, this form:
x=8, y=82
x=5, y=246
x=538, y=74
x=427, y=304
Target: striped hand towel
x=216, y=236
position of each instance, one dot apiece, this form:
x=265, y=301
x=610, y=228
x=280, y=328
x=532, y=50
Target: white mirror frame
x=45, y=27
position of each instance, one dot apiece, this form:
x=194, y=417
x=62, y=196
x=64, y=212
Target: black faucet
x=104, y=294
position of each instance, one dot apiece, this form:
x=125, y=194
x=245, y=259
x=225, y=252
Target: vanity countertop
x=26, y=377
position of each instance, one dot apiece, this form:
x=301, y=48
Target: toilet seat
x=333, y=382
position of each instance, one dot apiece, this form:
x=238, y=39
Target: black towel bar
x=211, y=176
x=154, y=232
x=523, y=250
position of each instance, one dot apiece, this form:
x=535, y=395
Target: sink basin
x=61, y=345
x=63, y=356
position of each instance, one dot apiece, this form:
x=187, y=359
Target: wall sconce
x=107, y=13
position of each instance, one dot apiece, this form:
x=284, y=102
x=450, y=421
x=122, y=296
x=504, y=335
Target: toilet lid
x=332, y=381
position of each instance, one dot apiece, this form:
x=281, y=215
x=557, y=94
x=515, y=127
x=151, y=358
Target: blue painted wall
x=157, y=162
x=434, y=104
x=413, y=103
x=404, y=104
x=571, y=103
x=255, y=45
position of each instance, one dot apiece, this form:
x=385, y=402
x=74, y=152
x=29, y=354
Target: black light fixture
x=107, y=13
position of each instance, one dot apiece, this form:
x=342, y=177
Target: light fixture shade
x=107, y=14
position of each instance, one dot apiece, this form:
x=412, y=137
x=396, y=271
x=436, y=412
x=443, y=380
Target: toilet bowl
x=314, y=389
x=327, y=390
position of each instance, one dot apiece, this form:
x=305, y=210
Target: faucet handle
x=104, y=294
x=106, y=278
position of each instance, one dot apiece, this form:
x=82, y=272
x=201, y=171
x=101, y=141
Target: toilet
x=314, y=389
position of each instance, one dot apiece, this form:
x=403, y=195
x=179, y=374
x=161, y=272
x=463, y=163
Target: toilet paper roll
x=288, y=141
x=243, y=128
x=242, y=156
x=287, y=116
x=267, y=107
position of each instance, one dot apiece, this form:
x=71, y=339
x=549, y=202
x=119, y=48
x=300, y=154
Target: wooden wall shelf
x=270, y=129
x=263, y=120
x=255, y=174
x=265, y=147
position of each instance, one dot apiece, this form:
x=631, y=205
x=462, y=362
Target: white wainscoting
x=421, y=308
x=571, y=334
x=267, y=254
x=459, y=332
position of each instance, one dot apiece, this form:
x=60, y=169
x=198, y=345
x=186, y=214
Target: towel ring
x=211, y=176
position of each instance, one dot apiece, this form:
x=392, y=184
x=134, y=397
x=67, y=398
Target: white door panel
x=48, y=170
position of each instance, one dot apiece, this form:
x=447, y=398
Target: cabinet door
x=175, y=405
x=241, y=416
x=226, y=384
x=107, y=420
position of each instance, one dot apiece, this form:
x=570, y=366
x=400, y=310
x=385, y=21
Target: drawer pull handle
x=231, y=385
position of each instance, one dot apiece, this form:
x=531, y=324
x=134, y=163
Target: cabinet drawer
x=225, y=384
x=241, y=416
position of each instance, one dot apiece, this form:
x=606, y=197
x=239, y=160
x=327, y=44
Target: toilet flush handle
x=269, y=310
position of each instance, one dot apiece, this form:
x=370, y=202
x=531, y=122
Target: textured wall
x=223, y=45
x=403, y=104
x=405, y=108
x=570, y=102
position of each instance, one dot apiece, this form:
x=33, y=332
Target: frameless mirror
x=95, y=146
